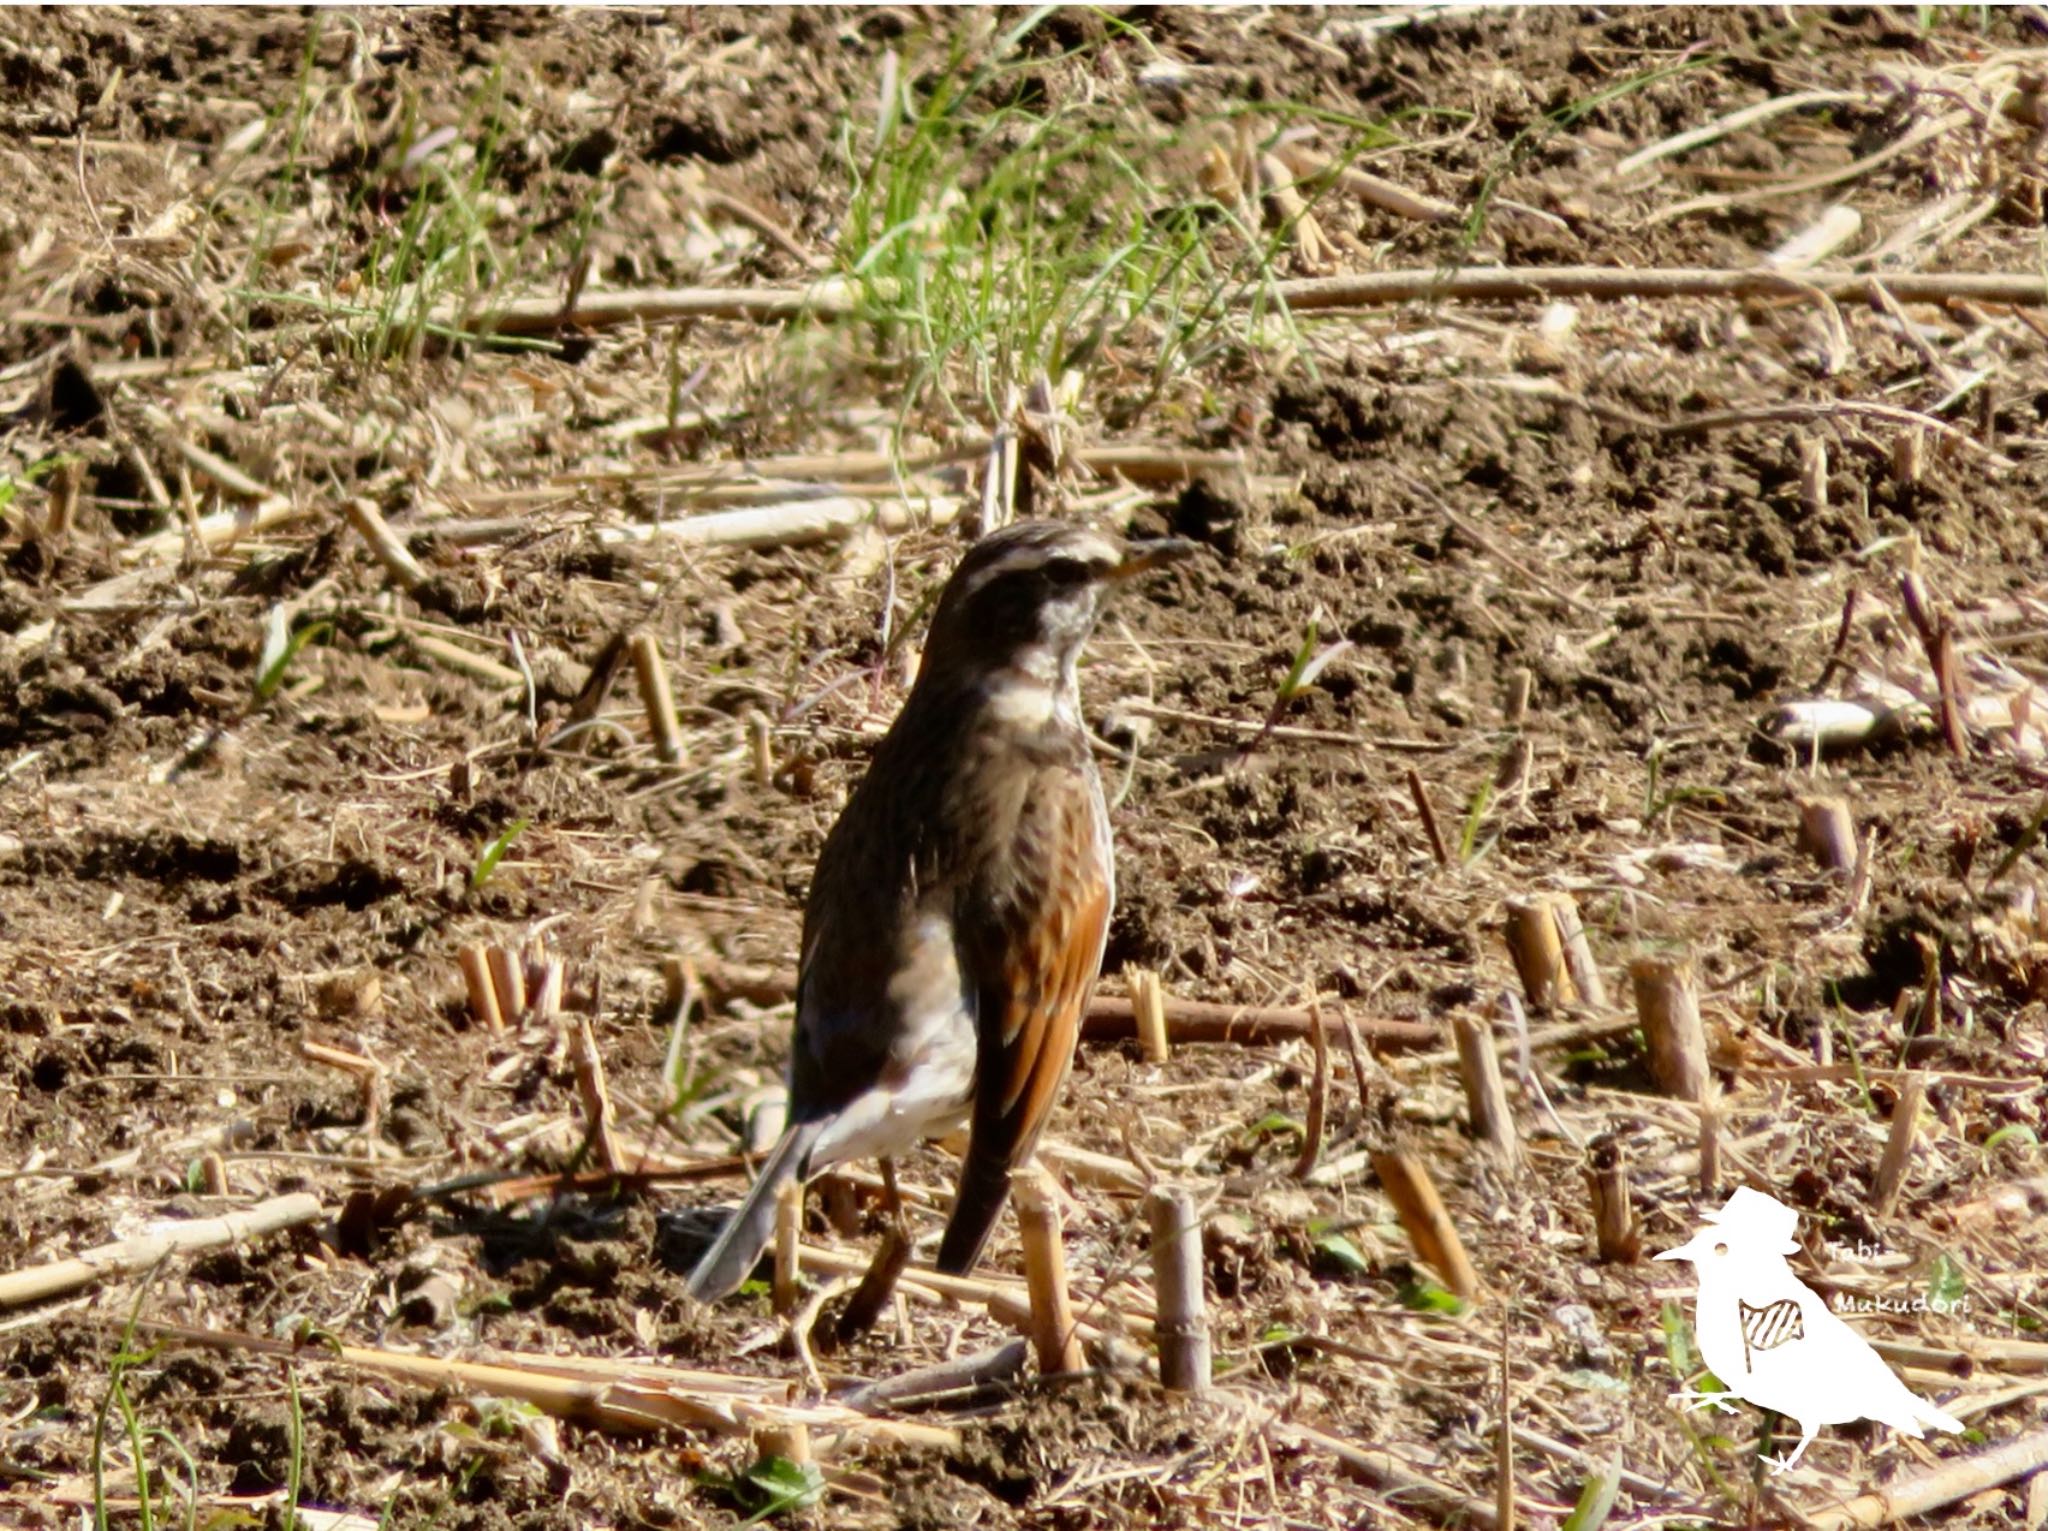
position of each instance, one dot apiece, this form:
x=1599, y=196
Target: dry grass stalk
x=1898, y=1147
x=1534, y=942
x=1395, y=1478
x=1710, y=1144
x=1827, y=833
x=1497, y=284
x=1427, y=814
x=1406, y=1181
x=1938, y=638
x=474, y=960
x=956, y=1376
x=463, y=661
x=652, y=674
x=369, y=1074
x=796, y=523
x=1669, y=1013
x=1054, y=1337
x=127, y=1256
x=588, y=1064
x=1181, y=1304
x=1617, y=1234
x=789, y=1236
x=1504, y=1442
x=390, y=549
x=1318, y=1094
x=1485, y=1096
x=620, y=1396
x=1148, y=1011
x=1111, y=1019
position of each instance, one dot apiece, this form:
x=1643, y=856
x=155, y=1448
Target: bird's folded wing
x=1033, y=967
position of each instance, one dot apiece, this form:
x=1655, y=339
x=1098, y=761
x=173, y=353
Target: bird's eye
x=1065, y=571
x=1720, y=1249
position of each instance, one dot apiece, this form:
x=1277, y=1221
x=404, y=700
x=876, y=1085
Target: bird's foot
x=1782, y=1464
x=1694, y=1399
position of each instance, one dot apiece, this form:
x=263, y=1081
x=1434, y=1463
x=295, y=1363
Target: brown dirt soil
x=197, y=878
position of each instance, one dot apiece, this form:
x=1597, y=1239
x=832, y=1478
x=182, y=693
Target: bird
x=1773, y=1341
x=956, y=922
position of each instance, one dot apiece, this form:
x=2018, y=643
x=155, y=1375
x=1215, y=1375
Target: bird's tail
x=730, y=1260
x=1925, y=1413
x=984, y=1187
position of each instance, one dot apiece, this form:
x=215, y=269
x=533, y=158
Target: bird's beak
x=1684, y=1251
x=1143, y=557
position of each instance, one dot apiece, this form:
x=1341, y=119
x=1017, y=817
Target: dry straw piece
x=1670, y=1015
x=1182, y=1320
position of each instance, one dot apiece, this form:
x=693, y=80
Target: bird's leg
x=892, y=1201
x=1786, y=1464
x=879, y=1284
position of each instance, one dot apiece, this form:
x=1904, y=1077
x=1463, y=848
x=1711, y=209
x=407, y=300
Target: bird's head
x=1025, y=598
x=1751, y=1224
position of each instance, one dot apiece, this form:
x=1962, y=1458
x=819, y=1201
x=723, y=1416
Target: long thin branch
x=767, y=305
x=127, y=1256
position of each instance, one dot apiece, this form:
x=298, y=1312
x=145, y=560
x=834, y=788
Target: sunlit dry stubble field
x=371, y=380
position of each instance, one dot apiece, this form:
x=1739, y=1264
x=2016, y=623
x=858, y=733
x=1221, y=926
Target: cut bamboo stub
x=1148, y=1010
x=1428, y=1226
x=475, y=963
x=1615, y=1230
x=1485, y=1097
x=1181, y=1320
x=1552, y=956
x=1827, y=833
x=508, y=981
x=1054, y=1336
x=789, y=1233
x=1670, y=1016
x=1898, y=1148
x=1578, y=951
x=652, y=675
